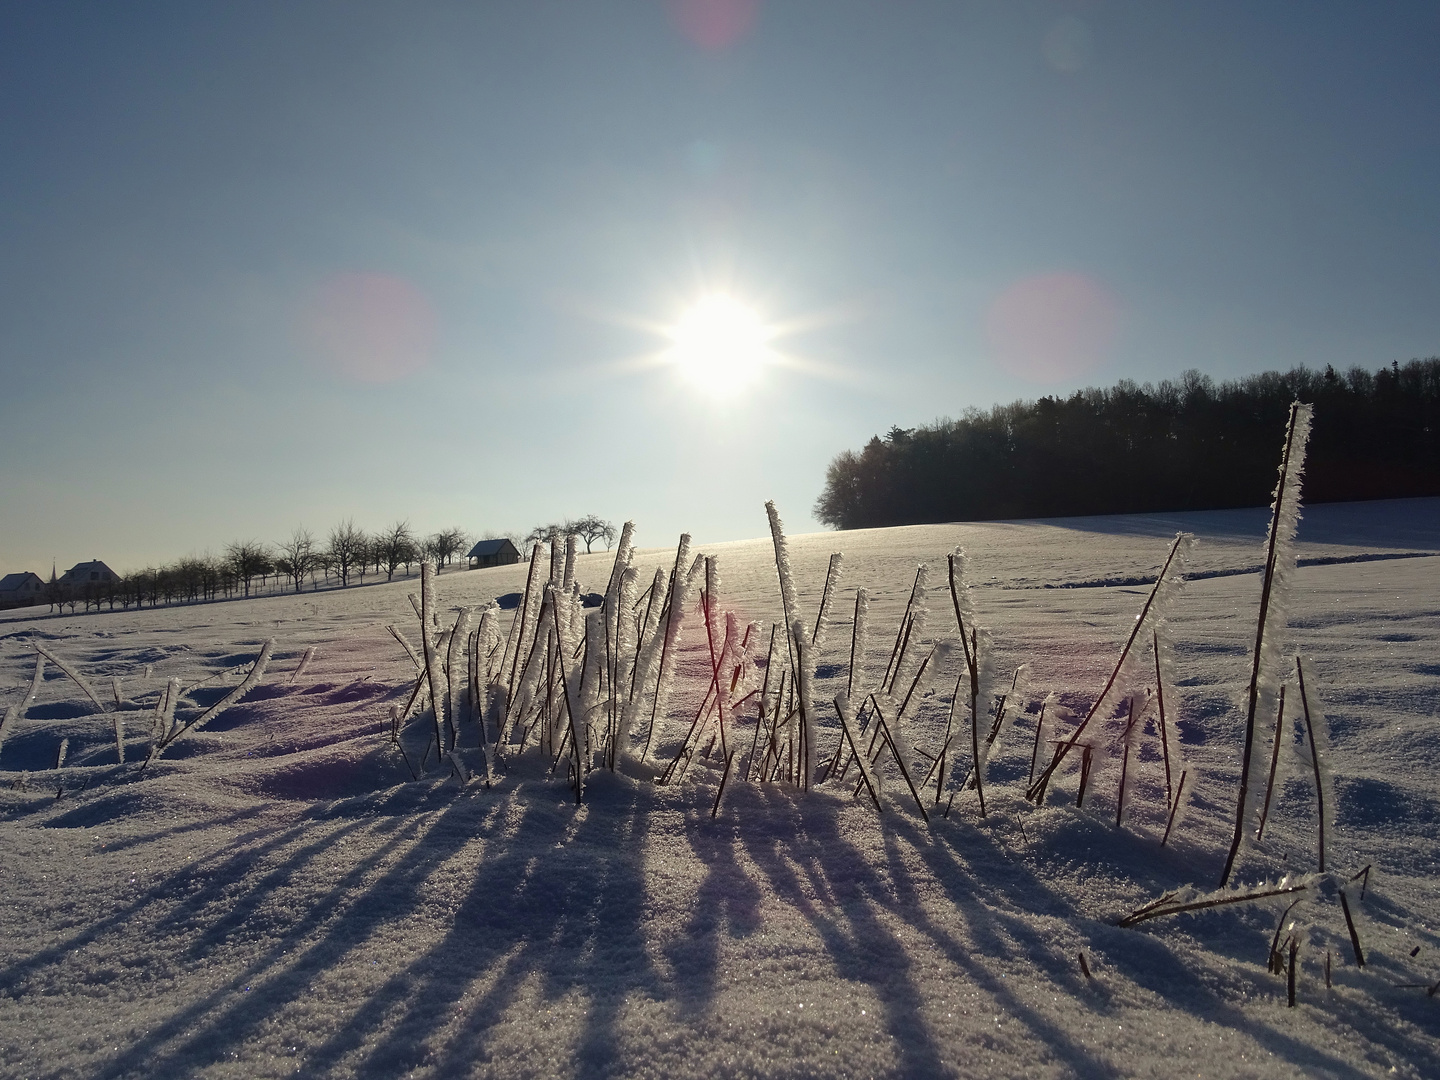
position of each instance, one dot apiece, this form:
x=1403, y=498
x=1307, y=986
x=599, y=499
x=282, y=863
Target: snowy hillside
x=274, y=895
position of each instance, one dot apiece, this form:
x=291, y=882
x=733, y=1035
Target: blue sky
x=269, y=265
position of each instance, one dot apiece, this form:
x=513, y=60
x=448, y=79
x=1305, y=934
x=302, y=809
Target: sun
x=720, y=345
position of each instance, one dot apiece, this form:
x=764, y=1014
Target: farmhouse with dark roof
x=493, y=553
x=21, y=590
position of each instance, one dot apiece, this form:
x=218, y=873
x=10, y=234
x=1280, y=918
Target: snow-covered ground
x=275, y=896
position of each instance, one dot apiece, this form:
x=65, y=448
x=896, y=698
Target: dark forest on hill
x=1192, y=444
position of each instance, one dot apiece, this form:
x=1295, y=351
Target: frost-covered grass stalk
x=833, y=573
x=456, y=646
x=173, y=732
x=310, y=655
x=73, y=675
x=805, y=697
x=1167, y=584
x=673, y=619
x=1044, y=725
x=570, y=547
x=783, y=572
x=12, y=714
x=765, y=703
x=16, y=712
x=981, y=657
x=648, y=643
x=1135, y=706
x=517, y=645
x=619, y=594
x=404, y=644
x=1317, y=738
x=432, y=659
x=859, y=643
x=165, y=711
x=965, y=621
x=1275, y=773
x=1166, y=700
x=912, y=625
x=852, y=736
x=1189, y=898
x=1274, y=600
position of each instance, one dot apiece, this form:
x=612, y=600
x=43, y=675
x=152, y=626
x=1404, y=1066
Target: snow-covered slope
x=275, y=896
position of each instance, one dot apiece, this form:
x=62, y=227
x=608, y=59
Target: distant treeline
x=1186, y=445
x=252, y=567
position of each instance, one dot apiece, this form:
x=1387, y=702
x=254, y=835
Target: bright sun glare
x=720, y=344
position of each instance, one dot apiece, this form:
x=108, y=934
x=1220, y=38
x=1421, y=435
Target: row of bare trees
x=346, y=555
x=589, y=528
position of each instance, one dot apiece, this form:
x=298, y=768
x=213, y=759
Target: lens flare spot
x=720, y=345
x=714, y=24
x=1053, y=327
x=372, y=328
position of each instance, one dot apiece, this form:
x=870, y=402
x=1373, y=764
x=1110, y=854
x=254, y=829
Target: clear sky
x=265, y=265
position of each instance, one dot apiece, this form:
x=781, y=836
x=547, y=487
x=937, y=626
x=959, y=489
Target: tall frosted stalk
x=1274, y=597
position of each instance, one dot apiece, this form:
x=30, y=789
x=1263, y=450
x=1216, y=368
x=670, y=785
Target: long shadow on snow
x=575, y=917
x=1145, y=960
x=216, y=872
x=803, y=850
x=217, y=1021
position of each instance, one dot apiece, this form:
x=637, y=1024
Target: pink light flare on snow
x=1053, y=327
x=372, y=328
x=713, y=24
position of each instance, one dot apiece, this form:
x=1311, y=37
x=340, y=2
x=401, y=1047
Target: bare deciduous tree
x=298, y=557
x=445, y=545
x=395, y=546
x=246, y=559
x=591, y=528
x=346, y=549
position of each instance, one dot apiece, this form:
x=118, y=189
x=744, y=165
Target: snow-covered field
x=275, y=896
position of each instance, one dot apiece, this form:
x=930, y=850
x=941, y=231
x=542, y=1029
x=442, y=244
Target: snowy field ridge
x=345, y=834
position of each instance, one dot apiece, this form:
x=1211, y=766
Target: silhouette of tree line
x=347, y=554
x=1190, y=444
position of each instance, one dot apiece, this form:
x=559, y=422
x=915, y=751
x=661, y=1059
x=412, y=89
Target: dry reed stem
x=1174, y=808
x=1086, y=760
x=847, y=725
x=854, y=642
x=902, y=635
x=1153, y=911
x=1274, y=762
x=1276, y=965
x=724, y=779
x=764, y=697
x=1035, y=751
x=1314, y=760
x=884, y=729
x=1354, y=933
x=825, y=597
x=1160, y=722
